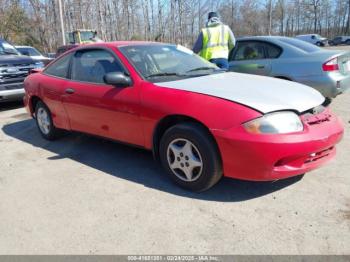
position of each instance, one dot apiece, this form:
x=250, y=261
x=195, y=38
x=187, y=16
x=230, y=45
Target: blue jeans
x=220, y=62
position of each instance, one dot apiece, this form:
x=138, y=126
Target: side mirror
x=117, y=79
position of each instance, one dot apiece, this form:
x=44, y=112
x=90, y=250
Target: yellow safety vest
x=215, y=42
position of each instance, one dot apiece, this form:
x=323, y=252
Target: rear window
x=302, y=45
x=59, y=68
x=272, y=51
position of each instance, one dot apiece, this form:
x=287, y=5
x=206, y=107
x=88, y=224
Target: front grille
x=317, y=115
x=14, y=71
x=318, y=155
x=12, y=75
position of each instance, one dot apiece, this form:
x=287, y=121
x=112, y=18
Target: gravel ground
x=84, y=195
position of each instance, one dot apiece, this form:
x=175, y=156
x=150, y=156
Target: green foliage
x=136, y=38
x=15, y=26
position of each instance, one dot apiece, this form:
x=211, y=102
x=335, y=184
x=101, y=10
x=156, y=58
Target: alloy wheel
x=43, y=120
x=184, y=159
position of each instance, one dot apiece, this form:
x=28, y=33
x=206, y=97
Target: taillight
x=331, y=65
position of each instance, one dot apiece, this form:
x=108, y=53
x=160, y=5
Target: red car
x=199, y=121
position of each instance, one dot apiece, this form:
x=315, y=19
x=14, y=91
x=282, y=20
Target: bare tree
x=36, y=22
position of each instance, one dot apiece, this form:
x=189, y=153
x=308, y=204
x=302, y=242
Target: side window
x=249, y=51
x=92, y=65
x=60, y=67
x=272, y=51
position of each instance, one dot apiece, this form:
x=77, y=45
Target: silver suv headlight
x=39, y=65
x=275, y=123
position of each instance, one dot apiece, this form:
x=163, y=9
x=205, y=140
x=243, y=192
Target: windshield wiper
x=201, y=68
x=164, y=74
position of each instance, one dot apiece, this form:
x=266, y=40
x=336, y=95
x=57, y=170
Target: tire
x=319, y=44
x=299, y=177
x=191, y=157
x=44, y=122
x=347, y=42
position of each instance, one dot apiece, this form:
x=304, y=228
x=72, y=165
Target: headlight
x=275, y=123
x=39, y=65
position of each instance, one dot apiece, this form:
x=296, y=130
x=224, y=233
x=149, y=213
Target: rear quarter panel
x=293, y=67
x=49, y=90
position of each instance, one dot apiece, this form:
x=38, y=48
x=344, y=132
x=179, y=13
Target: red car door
x=97, y=108
x=52, y=85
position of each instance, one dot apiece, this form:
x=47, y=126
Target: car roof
x=23, y=46
x=262, y=38
x=307, y=34
x=108, y=45
x=269, y=38
x=121, y=43
x=281, y=41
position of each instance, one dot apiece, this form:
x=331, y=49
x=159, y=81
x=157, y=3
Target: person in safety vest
x=215, y=41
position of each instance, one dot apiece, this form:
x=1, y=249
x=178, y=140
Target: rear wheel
x=191, y=157
x=347, y=42
x=44, y=122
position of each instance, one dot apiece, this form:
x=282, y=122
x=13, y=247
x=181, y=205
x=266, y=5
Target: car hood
x=263, y=94
x=15, y=59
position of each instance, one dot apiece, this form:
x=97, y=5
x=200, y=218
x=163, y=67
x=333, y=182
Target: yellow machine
x=82, y=36
x=78, y=37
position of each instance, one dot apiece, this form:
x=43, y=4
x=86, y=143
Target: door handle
x=70, y=91
x=261, y=66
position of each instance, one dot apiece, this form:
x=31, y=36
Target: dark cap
x=212, y=14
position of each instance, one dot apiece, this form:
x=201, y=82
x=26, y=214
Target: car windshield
x=86, y=35
x=160, y=63
x=7, y=49
x=304, y=46
x=28, y=51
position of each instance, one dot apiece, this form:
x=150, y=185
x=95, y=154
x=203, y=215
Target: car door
x=97, y=108
x=249, y=57
x=52, y=86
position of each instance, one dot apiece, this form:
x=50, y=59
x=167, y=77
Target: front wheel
x=191, y=157
x=44, y=122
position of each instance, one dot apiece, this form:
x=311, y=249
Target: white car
x=33, y=53
x=313, y=39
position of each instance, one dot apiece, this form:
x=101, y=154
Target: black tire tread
x=200, y=137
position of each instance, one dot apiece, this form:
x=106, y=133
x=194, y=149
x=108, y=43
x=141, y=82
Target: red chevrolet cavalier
x=199, y=121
